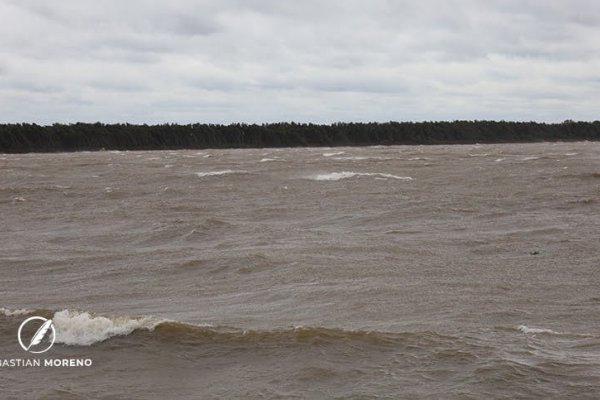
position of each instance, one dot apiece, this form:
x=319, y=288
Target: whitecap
x=349, y=158
x=83, y=329
x=217, y=173
x=10, y=313
x=337, y=153
x=526, y=329
x=336, y=176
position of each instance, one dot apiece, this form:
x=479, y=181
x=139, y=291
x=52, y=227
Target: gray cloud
x=322, y=61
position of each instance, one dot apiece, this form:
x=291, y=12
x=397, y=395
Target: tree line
x=26, y=137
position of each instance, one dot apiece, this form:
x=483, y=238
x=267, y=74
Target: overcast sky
x=298, y=60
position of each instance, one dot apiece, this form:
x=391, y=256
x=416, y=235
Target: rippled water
x=380, y=272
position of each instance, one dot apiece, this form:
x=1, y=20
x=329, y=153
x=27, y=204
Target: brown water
x=427, y=272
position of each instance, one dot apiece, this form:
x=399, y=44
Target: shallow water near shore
x=464, y=271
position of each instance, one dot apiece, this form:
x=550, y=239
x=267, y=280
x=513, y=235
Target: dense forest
x=16, y=138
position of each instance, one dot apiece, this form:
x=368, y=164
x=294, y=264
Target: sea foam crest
x=10, y=313
x=335, y=153
x=352, y=158
x=216, y=173
x=336, y=176
x=526, y=329
x=83, y=329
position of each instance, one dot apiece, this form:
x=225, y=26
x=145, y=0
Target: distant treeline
x=15, y=138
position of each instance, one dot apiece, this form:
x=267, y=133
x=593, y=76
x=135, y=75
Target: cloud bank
x=311, y=61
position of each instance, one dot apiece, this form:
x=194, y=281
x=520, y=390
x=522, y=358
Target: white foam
x=83, y=329
x=267, y=159
x=530, y=158
x=349, y=158
x=217, y=173
x=526, y=329
x=337, y=153
x=336, y=176
x=10, y=313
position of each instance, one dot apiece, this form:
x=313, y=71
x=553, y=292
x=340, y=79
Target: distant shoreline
x=24, y=138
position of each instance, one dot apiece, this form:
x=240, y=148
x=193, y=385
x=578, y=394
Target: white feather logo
x=39, y=335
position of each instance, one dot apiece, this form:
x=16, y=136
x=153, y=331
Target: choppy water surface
x=382, y=272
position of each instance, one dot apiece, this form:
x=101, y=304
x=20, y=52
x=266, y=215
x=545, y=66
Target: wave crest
x=301, y=334
x=84, y=329
x=336, y=176
x=76, y=328
x=11, y=313
x=81, y=328
x=528, y=330
x=217, y=173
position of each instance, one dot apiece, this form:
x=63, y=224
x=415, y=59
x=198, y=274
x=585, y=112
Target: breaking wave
x=350, y=158
x=217, y=173
x=528, y=330
x=10, y=313
x=530, y=158
x=336, y=176
x=81, y=328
